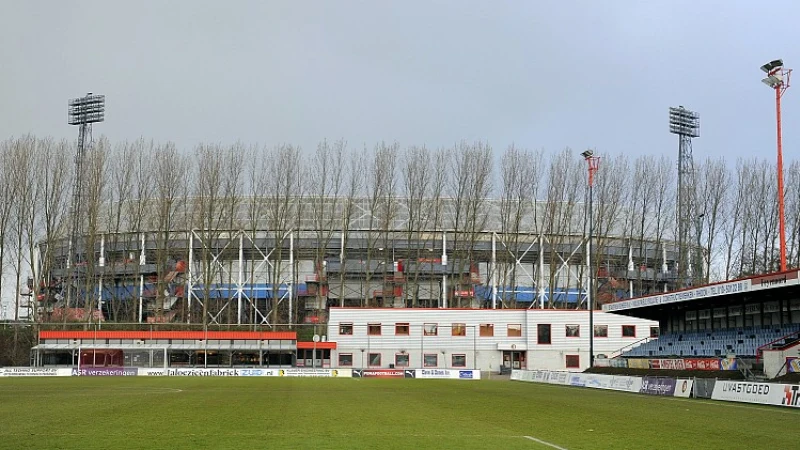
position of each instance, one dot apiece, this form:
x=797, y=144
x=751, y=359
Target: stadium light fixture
x=594, y=164
x=81, y=111
x=778, y=80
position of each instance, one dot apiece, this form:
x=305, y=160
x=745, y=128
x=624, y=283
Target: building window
x=346, y=329
x=601, y=331
x=374, y=329
x=654, y=332
x=430, y=360
x=345, y=359
x=514, y=330
x=374, y=359
x=401, y=329
x=430, y=329
x=573, y=361
x=573, y=331
x=487, y=330
x=543, y=333
x=459, y=329
x=629, y=331
x=459, y=360
x=401, y=360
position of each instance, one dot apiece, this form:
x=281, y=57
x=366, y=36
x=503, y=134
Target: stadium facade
x=255, y=266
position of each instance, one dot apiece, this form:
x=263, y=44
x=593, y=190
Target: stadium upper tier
x=371, y=214
x=306, y=254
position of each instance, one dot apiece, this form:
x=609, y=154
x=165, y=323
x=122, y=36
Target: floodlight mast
x=686, y=124
x=778, y=79
x=82, y=111
x=593, y=163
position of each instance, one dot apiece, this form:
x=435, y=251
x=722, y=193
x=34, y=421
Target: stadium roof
x=766, y=286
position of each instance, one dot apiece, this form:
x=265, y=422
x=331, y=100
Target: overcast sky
x=540, y=74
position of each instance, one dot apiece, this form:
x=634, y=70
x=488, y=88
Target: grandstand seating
x=737, y=341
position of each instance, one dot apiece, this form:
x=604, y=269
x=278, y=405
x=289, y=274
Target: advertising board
x=668, y=364
x=793, y=364
x=702, y=364
x=105, y=372
x=34, y=372
x=307, y=372
x=382, y=373
x=658, y=386
x=761, y=393
x=201, y=372
x=683, y=387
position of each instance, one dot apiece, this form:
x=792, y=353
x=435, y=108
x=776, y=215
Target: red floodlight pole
x=778, y=79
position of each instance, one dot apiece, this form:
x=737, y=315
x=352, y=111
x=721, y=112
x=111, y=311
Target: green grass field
x=250, y=413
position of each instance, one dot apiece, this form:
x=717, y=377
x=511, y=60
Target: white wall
x=774, y=360
x=484, y=353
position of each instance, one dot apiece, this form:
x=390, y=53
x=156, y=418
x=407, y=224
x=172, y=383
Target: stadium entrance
x=513, y=359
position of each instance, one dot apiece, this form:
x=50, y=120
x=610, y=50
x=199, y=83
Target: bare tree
x=417, y=175
x=23, y=154
x=712, y=193
x=283, y=191
x=208, y=219
x=8, y=192
x=471, y=186
x=380, y=216
x=560, y=221
x=325, y=196
x=520, y=173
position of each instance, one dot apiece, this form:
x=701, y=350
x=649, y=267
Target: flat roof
x=189, y=335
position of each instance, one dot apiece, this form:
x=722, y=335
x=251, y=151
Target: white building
x=482, y=339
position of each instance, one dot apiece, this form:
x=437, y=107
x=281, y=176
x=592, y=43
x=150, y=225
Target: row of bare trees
x=377, y=195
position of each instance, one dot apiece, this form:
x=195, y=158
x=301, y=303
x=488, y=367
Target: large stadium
x=254, y=274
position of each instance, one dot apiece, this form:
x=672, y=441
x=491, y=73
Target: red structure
x=778, y=79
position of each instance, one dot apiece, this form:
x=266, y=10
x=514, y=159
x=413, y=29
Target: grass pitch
x=248, y=413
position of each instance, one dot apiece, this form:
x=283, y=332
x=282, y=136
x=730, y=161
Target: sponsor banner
x=625, y=383
x=469, y=375
x=34, y=372
x=762, y=393
x=147, y=372
x=590, y=380
x=516, y=375
x=702, y=363
x=577, y=379
x=793, y=364
x=769, y=281
x=728, y=364
x=639, y=363
x=436, y=373
x=683, y=387
x=379, y=373
x=658, y=386
x=667, y=364
x=306, y=372
x=730, y=287
x=558, y=377
x=201, y=372
x=105, y=372
x=619, y=363
x=613, y=382
x=452, y=374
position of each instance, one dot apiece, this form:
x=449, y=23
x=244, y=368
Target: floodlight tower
x=686, y=124
x=778, y=79
x=594, y=164
x=83, y=111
